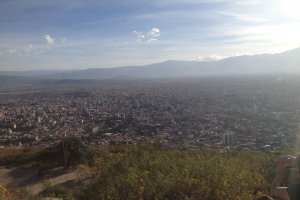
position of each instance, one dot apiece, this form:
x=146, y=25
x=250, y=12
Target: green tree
x=68, y=152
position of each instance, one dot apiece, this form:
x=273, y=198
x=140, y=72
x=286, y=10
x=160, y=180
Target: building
x=229, y=139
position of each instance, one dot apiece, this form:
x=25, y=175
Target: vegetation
x=68, y=152
x=146, y=172
x=152, y=172
x=16, y=195
x=3, y=192
x=17, y=157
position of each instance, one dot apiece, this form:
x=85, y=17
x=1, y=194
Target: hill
x=285, y=62
x=153, y=172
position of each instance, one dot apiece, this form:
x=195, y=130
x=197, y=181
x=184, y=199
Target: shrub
x=145, y=172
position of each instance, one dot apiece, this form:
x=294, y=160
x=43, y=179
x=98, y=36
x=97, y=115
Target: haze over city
x=43, y=35
x=159, y=99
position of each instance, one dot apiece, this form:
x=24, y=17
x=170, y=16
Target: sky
x=80, y=34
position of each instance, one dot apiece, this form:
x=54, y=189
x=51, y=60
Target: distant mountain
x=14, y=81
x=286, y=62
x=32, y=73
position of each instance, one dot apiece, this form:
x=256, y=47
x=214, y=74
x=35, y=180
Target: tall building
x=39, y=119
x=228, y=139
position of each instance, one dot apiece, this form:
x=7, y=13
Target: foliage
x=145, y=172
x=72, y=148
x=153, y=172
x=4, y=194
x=15, y=195
x=18, y=157
x=58, y=192
x=77, y=151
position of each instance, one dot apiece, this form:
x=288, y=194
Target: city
x=139, y=100
x=262, y=112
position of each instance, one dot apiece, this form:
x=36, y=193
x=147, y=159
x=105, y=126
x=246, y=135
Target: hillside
x=152, y=172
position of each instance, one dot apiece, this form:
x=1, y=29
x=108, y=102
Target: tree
x=74, y=151
x=68, y=152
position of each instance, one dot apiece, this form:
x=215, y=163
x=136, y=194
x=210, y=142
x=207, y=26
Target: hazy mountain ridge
x=285, y=62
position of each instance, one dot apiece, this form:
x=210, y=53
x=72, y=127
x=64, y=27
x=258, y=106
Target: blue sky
x=78, y=34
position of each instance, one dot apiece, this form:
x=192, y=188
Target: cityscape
x=261, y=112
x=140, y=100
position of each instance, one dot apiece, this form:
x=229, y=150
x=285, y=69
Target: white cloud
x=279, y=37
x=48, y=40
x=211, y=57
x=151, y=36
x=155, y=32
x=247, y=18
x=139, y=36
x=63, y=40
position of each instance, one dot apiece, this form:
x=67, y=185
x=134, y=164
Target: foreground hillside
x=151, y=172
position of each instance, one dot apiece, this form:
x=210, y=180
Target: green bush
x=75, y=151
x=57, y=192
x=145, y=172
x=151, y=172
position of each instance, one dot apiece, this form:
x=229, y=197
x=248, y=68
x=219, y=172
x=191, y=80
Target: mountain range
x=285, y=62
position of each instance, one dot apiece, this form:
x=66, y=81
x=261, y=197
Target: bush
x=18, y=157
x=150, y=172
x=57, y=192
x=68, y=152
x=145, y=172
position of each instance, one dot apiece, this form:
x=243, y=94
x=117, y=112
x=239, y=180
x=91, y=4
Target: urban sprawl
x=254, y=112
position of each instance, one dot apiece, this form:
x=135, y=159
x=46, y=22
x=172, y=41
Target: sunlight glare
x=291, y=8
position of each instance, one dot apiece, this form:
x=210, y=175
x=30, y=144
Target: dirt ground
x=28, y=179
